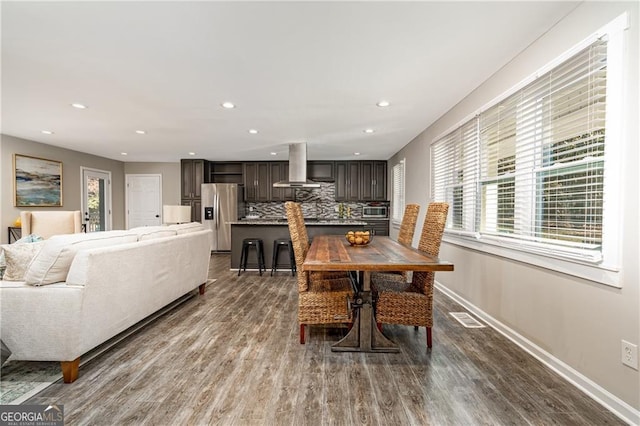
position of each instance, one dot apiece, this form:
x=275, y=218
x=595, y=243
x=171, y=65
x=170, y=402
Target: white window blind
x=398, y=192
x=455, y=168
x=530, y=169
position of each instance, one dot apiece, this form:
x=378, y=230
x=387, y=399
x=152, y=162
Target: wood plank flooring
x=232, y=357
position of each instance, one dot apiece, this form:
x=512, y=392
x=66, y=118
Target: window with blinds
x=531, y=168
x=398, y=193
x=455, y=169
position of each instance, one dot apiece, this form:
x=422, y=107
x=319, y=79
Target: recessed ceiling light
x=123, y=153
x=192, y=153
x=273, y=153
x=383, y=104
x=253, y=131
x=141, y=132
x=356, y=153
x=228, y=105
x=47, y=132
x=368, y=130
x=79, y=106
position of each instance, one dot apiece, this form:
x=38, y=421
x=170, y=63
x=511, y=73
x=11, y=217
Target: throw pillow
x=3, y=263
x=52, y=264
x=31, y=238
x=18, y=257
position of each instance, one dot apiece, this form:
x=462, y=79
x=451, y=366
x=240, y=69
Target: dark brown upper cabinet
x=373, y=180
x=280, y=171
x=347, y=175
x=257, y=181
x=320, y=171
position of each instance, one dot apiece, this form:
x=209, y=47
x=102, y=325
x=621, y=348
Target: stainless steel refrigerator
x=221, y=203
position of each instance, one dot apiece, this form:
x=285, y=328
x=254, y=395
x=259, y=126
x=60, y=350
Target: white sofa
x=111, y=284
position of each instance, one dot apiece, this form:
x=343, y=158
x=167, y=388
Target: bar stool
x=277, y=244
x=256, y=243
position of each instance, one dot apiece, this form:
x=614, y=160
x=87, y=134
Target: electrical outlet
x=630, y=354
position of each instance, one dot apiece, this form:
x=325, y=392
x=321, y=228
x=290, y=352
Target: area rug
x=21, y=380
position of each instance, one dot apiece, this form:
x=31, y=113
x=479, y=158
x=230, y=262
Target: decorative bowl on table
x=359, y=238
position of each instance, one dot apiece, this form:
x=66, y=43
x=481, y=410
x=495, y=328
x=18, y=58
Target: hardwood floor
x=232, y=357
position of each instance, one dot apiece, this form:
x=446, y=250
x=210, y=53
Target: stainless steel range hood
x=297, y=169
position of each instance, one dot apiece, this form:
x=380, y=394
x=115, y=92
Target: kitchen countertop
x=275, y=221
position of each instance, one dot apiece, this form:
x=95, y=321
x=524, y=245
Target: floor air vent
x=466, y=320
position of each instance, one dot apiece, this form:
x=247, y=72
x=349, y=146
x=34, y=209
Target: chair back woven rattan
x=430, y=241
x=299, y=239
x=408, y=224
x=412, y=303
x=322, y=297
x=405, y=236
x=408, y=228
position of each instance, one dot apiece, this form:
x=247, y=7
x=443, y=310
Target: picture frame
x=37, y=182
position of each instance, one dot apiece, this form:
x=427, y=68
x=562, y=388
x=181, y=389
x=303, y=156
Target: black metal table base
x=364, y=336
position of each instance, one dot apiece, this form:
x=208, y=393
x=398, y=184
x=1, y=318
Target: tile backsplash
x=316, y=203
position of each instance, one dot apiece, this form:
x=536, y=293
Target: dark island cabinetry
x=269, y=231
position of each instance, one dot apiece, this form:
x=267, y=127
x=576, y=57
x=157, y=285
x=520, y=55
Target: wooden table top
x=334, y=253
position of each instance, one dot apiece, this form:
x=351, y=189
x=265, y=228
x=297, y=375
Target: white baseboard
x=608, y=400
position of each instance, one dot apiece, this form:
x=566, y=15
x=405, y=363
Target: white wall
x=576, y=322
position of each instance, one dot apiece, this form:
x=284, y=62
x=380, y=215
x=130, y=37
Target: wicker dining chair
x=399, y=302
x=304, y=237
x=322, y=296
x=405, y=236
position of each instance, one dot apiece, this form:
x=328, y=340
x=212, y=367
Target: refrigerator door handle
x=216, y=203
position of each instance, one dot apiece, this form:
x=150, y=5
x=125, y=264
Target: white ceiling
x=297, y=71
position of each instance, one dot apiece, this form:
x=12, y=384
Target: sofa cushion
x=185, y=228
x=52, y=263
x=151, y=232
x=18, y=257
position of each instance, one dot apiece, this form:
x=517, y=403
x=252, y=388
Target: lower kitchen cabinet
x=196, y=209
x=379, y=226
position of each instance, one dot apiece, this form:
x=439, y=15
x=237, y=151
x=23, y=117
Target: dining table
x=335, y=253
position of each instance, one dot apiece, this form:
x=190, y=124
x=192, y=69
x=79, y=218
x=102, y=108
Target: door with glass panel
x=96, y=199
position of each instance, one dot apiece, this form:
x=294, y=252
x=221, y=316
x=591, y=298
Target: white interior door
x=144, y=200
x=96, y=199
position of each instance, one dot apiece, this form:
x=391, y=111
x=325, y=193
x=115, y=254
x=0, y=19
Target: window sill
x=598, y=273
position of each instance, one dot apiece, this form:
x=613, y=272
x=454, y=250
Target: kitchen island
x=271, y=229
